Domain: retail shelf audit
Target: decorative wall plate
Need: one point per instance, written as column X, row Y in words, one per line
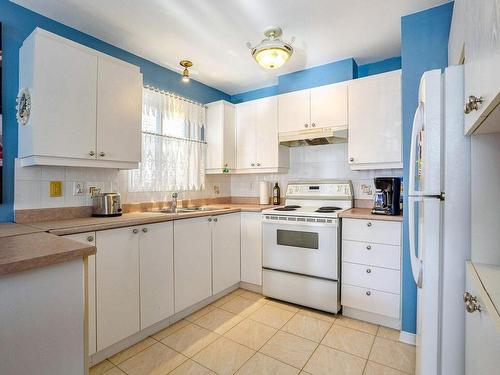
column 23, row 106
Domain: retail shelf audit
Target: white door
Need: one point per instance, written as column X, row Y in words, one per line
column 246, row 119
column 375, row 122
column 225, row 251
column 294, row 111
column 192, row 261
column 251, row 247
column 266, row 133
column 89, row 238
column 119, row 111
column 117, row 278
column 156, row 272
column 63, row 120
column 329, row 106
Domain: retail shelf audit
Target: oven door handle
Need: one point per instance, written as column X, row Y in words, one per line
column 334, row 223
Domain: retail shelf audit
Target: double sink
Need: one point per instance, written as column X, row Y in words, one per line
column 189, row 209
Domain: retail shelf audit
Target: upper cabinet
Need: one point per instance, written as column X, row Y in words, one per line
column 319, row 107
column 85, row 106
column 481, row 67
column 375, row 122
column 220, row 135
column 257, row 147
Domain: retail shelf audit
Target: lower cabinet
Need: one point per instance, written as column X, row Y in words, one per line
column 251, row 247
column 192, row 261
column 225, row 251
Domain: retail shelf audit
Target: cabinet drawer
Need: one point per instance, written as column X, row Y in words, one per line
column 371, row 300
column 388, row 256
column 377, row 231
column 371, row 277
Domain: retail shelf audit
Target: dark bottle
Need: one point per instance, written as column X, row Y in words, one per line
column 276, row 194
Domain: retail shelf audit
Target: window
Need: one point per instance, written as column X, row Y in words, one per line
column 173, row 148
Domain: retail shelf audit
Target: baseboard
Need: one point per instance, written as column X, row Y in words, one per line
column 251, row 287
column 408, row 338
column 369, row 317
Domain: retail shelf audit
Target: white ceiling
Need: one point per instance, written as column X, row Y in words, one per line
column 213, row 33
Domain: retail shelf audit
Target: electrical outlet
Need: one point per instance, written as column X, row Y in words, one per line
column 55, row 189
column 366, row 190
column 216, row 189
column 78, row 189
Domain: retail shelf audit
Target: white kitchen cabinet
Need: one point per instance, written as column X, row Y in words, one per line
column 192, row 261
column 117, row 280
column 482, row 59
column 375, row 122
column 225, row 251
column 251, row 247
column 371, row 276
column 119, row 111
column 89, row 238
column 156, row 256
column 85, row 106
column 257, row 147
column 220, row 134
column 319, row 107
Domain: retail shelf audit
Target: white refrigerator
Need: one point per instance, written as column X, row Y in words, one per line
column 439, row 221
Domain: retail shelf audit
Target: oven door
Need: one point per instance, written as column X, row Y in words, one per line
column 306, row 246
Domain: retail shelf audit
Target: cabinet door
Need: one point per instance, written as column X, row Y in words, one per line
column 192, row 261
column 89, row 238
column 251, row 248
column 156, row 272
column 482, row 59
column 62, row 80
column 225, row 251
column 375, row 121
column 214, row 135
column 294, row 111
column 246, row 118
column 266, row 133
column 329, row 106
column 229, row 139
column 117, row 280
column 119, row 111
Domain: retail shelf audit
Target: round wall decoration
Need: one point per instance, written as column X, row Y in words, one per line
column 23, row 106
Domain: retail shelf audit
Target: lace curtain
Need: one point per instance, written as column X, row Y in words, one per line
column 173, row 149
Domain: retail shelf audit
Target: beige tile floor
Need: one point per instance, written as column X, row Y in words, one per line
column 245, row 333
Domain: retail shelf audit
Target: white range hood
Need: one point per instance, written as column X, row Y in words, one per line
column 312, row 137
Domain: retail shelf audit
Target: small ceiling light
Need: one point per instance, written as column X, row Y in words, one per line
column 272, row 52
column 185, row 73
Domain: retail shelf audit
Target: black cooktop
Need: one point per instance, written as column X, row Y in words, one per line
column 328, row 209
column 287, row 208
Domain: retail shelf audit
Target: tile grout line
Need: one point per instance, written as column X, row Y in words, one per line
column 370, row 352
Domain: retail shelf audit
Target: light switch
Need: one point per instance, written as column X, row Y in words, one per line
column 55, row 189
column 78, row 189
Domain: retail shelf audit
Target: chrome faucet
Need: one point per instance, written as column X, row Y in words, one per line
column 173, row 206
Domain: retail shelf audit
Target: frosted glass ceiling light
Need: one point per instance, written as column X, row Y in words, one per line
column 185, row 73
column 272, row 52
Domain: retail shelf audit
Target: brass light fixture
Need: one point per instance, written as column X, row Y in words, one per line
column 272, row 52
column 185, row 73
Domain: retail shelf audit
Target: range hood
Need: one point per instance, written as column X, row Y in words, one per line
column 313, row 137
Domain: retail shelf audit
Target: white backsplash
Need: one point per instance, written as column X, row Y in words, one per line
column 306, row 163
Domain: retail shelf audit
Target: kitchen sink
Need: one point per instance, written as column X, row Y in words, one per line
column 189, row 209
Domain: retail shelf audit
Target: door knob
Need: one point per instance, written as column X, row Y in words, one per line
column 215, row 219
column 368, row 270
column 351, row 159
column 145, row 230
column 313, row 125
column 209, row 219
column 368, row 293
column 472, row 104
column 135, row 231
column 91, row 153
column 253, row 164
column 258, row 164
column 471, row 303
column 306, row 125
column 369, row 224
column 368, row 247
column 102, row 154
column 90, row 238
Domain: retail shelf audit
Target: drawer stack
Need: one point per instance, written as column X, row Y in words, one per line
column 371, row 270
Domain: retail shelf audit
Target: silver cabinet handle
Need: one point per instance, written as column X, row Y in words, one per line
column 368, row 247
column 215, row 219
column 209, row 219
column 253, row 164
column 91, row 153
column 368, row 270
column 145, row 230
column 90, row 238
column 369, row 224
column 313, row 125
column 472, row 104
column 306, row 125
column 135, row 231
column 351, row 159
column 471, row 303
column 368, row 293
column 258, row 164
column 102, row 154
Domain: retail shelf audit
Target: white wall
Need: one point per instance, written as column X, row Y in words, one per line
column 313, row 163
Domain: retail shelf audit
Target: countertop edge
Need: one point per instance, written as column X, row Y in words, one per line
column 365, row 213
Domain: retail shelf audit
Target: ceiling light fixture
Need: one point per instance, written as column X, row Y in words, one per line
column 185, row 73
column 272, row 52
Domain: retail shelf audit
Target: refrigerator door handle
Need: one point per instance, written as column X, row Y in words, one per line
column 418, row 125
column 416, row 263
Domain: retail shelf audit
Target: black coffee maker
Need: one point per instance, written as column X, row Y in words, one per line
column 387, row 195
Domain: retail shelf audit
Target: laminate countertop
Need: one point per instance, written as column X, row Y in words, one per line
column 90, row 224
column 365, row 213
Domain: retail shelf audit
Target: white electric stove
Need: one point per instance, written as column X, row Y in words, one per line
column 301, row 243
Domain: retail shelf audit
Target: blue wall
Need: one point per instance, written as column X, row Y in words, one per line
column 337, row 71
column 17, row 24
column 424, row 46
